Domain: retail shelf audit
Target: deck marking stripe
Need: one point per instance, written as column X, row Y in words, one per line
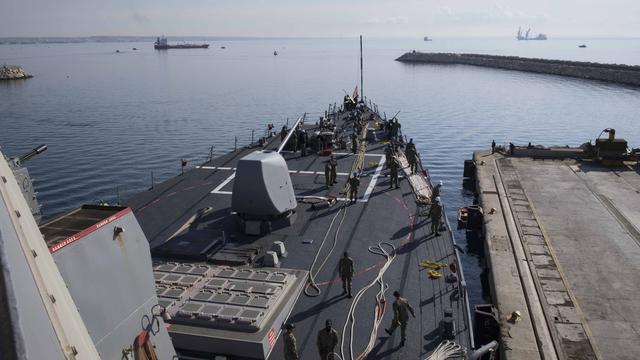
column 347, row 154
column 206, row 167
column 374, row 179
column 223, row 184
column 224, row 168
column 306, row 172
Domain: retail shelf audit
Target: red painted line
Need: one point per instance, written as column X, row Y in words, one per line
column 73, row 238
column 380, row 263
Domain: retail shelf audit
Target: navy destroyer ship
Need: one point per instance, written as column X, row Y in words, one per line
column 217, row 261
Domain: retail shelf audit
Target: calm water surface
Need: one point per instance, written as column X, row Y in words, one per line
column 110, row 119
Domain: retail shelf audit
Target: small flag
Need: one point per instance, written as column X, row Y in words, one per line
column 355, row 93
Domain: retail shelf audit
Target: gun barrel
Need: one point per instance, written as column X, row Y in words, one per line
column 32, row 153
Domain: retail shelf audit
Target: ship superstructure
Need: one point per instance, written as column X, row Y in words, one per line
column 519, row 36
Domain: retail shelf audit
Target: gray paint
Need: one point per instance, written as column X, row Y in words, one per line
column 262, row 186
column 111, row 281
column 33, row 333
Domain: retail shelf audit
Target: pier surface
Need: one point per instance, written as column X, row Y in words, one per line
column 563, row 248
column 621, row 74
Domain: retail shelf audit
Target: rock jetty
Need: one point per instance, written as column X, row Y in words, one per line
column 12, row 73
column 621, row 74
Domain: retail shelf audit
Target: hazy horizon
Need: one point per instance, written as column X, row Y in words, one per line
column 329, row 19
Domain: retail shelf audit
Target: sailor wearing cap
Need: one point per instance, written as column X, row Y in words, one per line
column 354, row 182
column 327, row 341
column 290, row 347
column 435, row 213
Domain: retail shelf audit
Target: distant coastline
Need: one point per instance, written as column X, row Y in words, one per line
column 621, row 74
column 123, row 39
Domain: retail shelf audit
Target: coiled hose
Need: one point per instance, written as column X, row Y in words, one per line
column 388, row 251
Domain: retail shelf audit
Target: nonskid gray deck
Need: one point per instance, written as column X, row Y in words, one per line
column 379, row 215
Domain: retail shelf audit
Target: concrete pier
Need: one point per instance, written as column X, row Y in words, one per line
column 621, row 74
column 563, row 248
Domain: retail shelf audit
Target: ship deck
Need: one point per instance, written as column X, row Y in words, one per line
column 380, row 214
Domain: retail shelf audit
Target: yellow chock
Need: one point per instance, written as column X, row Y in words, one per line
column 432, row 264
column 372, row 164
column 435, row 274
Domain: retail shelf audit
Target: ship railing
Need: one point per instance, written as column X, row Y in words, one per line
column 462, row 283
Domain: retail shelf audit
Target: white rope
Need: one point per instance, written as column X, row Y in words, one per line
column 356, row 167
column 311, row 284
column 389, row 255
column 446, row 350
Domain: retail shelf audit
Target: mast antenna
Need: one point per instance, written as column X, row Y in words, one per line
column 361, row 78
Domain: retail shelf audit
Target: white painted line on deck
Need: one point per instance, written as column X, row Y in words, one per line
column 304, row 172
column 215, row 168
column 223, row 184
column 374, row 179
column 347, row 154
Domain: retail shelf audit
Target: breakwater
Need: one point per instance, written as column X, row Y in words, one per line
column 621, row 74
column 13, row 72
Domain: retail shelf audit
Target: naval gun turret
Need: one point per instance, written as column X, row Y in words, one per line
column 263, row 196
column 24, row 179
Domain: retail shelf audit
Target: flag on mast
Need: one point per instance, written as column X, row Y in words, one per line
column 355, row 94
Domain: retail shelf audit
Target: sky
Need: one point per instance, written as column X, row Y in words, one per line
column 319, row 18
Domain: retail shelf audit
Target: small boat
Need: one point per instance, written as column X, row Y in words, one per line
column 275, row 53
column 134, row 49
column 463, row 217
column 426, row 38
column 223, row 47
column 582, row 46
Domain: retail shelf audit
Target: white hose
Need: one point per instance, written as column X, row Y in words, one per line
column 311, row 284
column 446, row 350
column 380, row 306
column 356, row 167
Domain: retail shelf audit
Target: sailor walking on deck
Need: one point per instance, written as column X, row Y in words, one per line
column 354, row 143
column 412, row 156
column 333, row 163
column 436, row 192
column 345, row 267
column 388, row 154
column 401, row 311
column 290, row 347
column 303, row 137
column 435, row 213
column 394, row 165
column 283, row 133
column 330, row 171
column 354, row 182
column 327, row 341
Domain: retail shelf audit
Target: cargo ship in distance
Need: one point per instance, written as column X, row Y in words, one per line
column 162, row 44
column 526, row 35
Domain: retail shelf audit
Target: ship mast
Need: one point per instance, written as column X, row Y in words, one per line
column 361, row 76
